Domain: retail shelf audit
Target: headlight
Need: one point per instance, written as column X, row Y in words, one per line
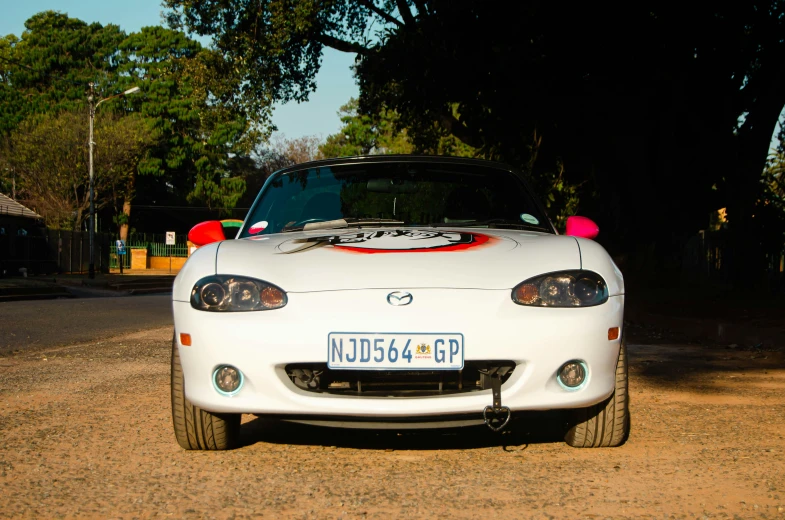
column 562, row 289
column 236, row 294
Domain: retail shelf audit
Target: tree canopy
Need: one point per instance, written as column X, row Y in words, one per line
column 664, row 111
column 197, row 134
column 51, row 159
column 197, row 129
column 49, row 68
column 652, row 115
column 381, row 133
column 363, row 134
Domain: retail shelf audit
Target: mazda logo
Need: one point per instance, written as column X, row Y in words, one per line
column 399, row 298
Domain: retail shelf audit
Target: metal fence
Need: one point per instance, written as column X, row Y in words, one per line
column 709, row 256
column 155, row 243
column 50, row 251
column 53, row 251
column 145, row 239
column 164, row 250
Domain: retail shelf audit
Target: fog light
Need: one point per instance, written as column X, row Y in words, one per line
column 227, row 379
column 572, row 375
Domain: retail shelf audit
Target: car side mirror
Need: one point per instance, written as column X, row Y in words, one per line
column 581, row 227
column 206, row 233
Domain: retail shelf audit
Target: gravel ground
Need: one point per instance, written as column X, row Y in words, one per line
column 86, row 432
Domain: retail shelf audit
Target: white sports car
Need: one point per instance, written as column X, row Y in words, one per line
column 398, row 292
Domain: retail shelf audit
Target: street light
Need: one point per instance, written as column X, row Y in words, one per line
column 91, row 100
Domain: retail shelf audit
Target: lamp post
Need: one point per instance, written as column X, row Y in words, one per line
column 93, row 106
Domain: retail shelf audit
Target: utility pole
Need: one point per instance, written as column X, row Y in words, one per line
column 93, row 106
column 91, row 101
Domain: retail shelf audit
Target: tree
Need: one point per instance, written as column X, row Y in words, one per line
column 198, row 128
column 774, row 177
column 49, row 68
column 121, row 145
column 271, row 156
column 381, row 133
column 770, row 207
column 297, row 150
column 643, row 112
column 190, row 110
column 363, row 134
column 50, row 158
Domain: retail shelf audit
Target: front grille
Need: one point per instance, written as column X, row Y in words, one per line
column 475, row 376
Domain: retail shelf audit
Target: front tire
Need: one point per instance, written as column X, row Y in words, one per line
column 607, row 424
column 194, row 428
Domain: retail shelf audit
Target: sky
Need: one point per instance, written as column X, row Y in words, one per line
column 319, row 116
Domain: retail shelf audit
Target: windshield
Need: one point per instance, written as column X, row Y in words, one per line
column 403, row 193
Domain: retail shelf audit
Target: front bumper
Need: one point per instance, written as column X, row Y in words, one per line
column 261, row 344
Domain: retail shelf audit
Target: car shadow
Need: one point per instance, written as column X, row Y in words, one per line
column 525, row 429
column 696, row 368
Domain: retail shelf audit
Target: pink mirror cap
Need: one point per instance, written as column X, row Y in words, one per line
column 206, row 233
column 582, row 227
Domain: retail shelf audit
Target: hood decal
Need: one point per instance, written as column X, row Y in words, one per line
column 390, row 241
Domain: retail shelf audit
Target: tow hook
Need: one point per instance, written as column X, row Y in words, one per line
column 497, row 416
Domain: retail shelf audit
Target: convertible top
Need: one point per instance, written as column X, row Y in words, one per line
column 396, row 158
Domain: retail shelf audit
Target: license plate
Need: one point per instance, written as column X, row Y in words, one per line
column 394, row 351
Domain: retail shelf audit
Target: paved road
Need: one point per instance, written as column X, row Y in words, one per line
column 30, row 324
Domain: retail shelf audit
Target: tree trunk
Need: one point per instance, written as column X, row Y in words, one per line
column 77, row 225
column 127, row 219
column 747, row 268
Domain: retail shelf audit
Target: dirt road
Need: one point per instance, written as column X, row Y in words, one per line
column 86, row 432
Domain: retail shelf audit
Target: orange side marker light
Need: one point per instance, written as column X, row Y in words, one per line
column 613, row 333
column 185, row 339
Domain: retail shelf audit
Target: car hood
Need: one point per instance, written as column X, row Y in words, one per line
column 397, row 258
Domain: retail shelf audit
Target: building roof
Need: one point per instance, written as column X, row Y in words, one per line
column 10, row 207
